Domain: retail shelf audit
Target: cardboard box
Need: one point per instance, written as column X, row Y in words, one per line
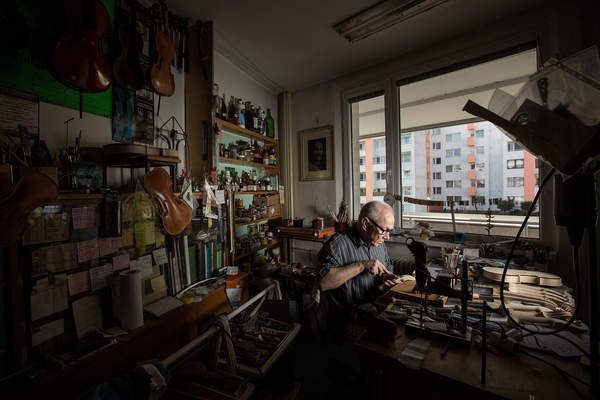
column 266, row 200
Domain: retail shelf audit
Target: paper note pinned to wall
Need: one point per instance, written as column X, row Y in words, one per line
column 47, row 228
column 220, row 195
column 79, row 282
column 48, row 297
column 87, row 250
column 144, row 233
column 99, row 276
column 160, row 256
column 47, row 331
column 53, row 258
column 144, row 265
column 120, row 262
column 84, row 217
column 87, row 315
column 108, row 245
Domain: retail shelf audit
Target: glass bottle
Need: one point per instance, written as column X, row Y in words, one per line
column 248, row 115
column 269, row 124
column 223, row 108
column 241, row 114
column 231, row 109
column 260, row 119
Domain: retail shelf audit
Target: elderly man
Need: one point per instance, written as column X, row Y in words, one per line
column 354, row 262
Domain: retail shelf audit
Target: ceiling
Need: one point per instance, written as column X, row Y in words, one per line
column 292, row 42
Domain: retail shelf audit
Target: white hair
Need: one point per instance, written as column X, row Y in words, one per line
column 373, row 208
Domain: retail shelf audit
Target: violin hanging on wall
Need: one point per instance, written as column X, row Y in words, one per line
column 174, row 212
column 161, row 76
column 78, row 59
column 127, row 70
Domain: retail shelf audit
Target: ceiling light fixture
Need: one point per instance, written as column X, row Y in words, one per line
column 380, row 16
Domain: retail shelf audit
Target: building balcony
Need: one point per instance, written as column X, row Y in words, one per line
column 472, row 174
column 471, row 158
column 472, row 191
column 471, row 141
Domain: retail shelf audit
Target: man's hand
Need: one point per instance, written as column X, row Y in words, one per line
column 391, row 280
column 375, row 267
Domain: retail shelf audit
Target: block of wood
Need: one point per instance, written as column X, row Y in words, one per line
column 406, row 291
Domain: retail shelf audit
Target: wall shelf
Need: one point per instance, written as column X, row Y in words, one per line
column 257, row 192
column 257, row 221
column 238, row 130
column 249, row 253
column 248, row 163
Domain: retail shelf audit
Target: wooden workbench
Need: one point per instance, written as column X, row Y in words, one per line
column 515, row 376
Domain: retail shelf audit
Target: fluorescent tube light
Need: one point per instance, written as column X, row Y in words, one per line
column 380, row 16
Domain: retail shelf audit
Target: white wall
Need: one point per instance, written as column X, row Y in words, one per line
column 97, row 130
column 234, row 82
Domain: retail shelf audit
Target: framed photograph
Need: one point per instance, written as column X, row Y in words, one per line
column 316, row 154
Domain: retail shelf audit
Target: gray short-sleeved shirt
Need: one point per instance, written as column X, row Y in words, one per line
column 345, row 248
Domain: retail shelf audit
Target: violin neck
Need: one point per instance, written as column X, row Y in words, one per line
column 165, row 14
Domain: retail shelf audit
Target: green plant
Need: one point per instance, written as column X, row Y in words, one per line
column 489, row 217
column 506, row 205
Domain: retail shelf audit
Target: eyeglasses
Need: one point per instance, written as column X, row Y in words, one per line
column 381, row 231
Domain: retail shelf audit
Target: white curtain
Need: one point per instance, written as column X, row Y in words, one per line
column 286, row 156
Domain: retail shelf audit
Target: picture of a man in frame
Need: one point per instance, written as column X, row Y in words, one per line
column 317, row 154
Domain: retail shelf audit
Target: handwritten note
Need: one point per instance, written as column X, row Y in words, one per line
column 144, row 265
column 220, row 195
column 53, row 259
column 108, row 245
column 47, row 228
column 144, row 233
column 47, row 331
column 120, row 262
column 160, row 256
column 87, row 315
column 48, row 298
column 79, row 282
column 84, row 217
column 87, row 250
column 99, row 276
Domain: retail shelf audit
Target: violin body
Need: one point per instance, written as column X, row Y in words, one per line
column 32, row 191
column 127, row 69
column 175, row 214
column 160, row 75
column 78, row 59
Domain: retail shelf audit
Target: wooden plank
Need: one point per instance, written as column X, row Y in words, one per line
column 258, row 221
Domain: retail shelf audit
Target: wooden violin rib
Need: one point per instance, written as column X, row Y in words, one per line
column 522, row 276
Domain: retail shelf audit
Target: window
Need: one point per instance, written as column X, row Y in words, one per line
column 362, row 161
column 515, row 181
column 436, row 145
column 437, row 175
column 435, row 132
column 480, row 149
column 405, row 157
column 379, row 160
column 453, row 184
column 481, row 183
column 361, row 146
column 453, row 153
column 448, row 168
column 514, row 146
column 478, row 200
column 406, row 173
column 406, row 139
column 437, row 190
column 453, row 198
column 479, row 133
column 407, row 190
column 453, row 137
column 479, row 166
column 437, row 160
column 379, row 176
column 362, row 176
column 515, row 164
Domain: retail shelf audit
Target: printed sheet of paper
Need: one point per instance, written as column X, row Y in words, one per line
column 84, row 217
column 99, row 276
column 53, row 259
column 47, row 331
column 79, row 282
column 47, row 228
column 220, row 195
column 49, row 298
column 127, row 238
column 144, row 233
column 87, row 250
column 87, row 315
column 160, row 256
column 120, row 262
column 108, row 245
column 144, row 265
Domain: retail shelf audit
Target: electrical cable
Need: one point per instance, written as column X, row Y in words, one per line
column 510, row 254
column 556, row 367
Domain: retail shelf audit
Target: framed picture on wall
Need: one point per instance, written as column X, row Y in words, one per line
column 316, row 154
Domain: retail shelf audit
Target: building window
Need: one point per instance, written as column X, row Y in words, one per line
column 407, row 173
column 379, row 160
column 435, row 132
column 481, row 183
column 436, row 145
column 515, row 181
column 437, row 190
column 405, row 157
column 361, row 146
column 405, row 139
column 537, row 163
column 362, row 161
column 479, row 133
column 480, row 150
column 363, row 176
column 453, row 184
column 452, row 153
column 514, row 146
column 407, row 190
column 454, row 198
column 437, row 175
column 478, row 200
column 479, row 166
column 437, row 160
column 515, row 164
column 448, row 168
column 453, row 137
column 379, row 176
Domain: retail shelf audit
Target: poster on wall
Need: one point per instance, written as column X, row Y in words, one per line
column 133, row 115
